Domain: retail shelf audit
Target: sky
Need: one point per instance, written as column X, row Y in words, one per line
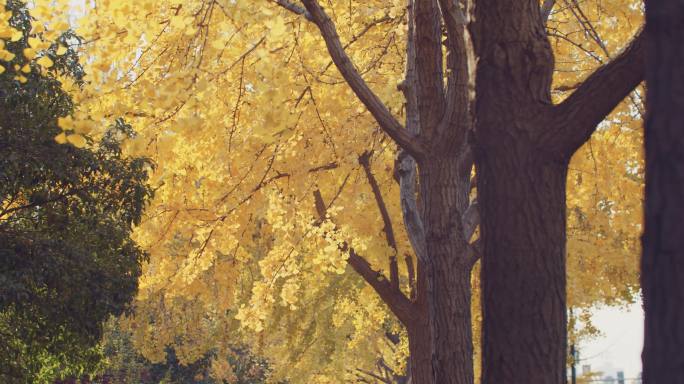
column 619, row 349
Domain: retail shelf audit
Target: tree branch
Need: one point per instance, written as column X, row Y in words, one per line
column 405, row 165
column 576, row 118
column 375, row 106
column 397, row 302
column 294, row 8
column 474, row 253
column 409, row 207
column 456, row 121
column 364, row 160
column 546, row 9
column 37, row 203
column 470, row 220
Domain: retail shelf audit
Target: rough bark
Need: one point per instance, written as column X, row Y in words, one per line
column 521, row 192
column 523, row 268
column 444, row 197
column 522, row 149
column 662, row 266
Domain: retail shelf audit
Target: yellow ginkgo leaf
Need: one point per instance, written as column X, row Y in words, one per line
column 29, row 53
column 16, row 35
column 65, row 122
column 21, row 79
column 61, row 50
column 26, row 68
column 180, row 22
column 2, row 69
column 218, row 44
column 83, row 126
column 33, row 42
column 76, row 140
column 61, row 138
column 6, row 55
column 60, row 26
column 45, row 62
column 38, row 28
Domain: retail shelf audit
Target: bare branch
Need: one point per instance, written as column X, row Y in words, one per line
column 373, row 375
column 578, row 116
column 375, row 106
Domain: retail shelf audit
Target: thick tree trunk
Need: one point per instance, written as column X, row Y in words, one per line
column 444, row 192
column 522, row 199
column 662, row 268
column 521, row 190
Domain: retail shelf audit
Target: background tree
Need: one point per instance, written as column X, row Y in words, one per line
column 663, row 248
column 68, row 261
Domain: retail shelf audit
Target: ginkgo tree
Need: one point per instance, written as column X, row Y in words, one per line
column 277, row 171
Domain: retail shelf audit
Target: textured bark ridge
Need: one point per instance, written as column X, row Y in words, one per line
column 663, row 240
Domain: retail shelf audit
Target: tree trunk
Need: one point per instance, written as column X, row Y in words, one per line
column 662, row 266
column 444, row 192
column 522, row 199
column 419, row 349
column 521, row 190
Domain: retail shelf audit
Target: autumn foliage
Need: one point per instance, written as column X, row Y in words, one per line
column 268, row 170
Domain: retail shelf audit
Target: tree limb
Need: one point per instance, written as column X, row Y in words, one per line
column 409, row 207
column 375, row 106
column 294, row 8
column 546, row 9
column 397, row 302
column 456, row 121
column 364, row 160
column 405, row 166
column 576, row 118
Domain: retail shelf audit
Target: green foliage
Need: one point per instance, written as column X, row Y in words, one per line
column 67, row 261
